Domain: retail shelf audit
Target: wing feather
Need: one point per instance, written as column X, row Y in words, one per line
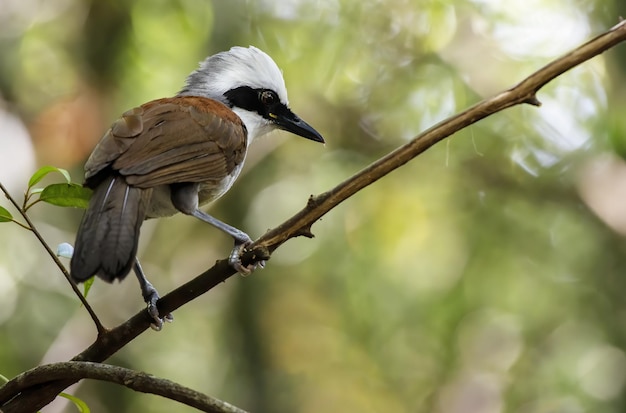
column 172, row 140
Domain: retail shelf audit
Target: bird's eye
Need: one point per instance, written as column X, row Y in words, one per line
column 268, row 97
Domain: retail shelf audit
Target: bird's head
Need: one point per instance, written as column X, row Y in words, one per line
column 251, row 84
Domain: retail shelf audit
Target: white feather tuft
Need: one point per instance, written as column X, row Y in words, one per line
column 239, row 66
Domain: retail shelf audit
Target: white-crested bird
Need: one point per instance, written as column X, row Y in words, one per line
column 175, row 154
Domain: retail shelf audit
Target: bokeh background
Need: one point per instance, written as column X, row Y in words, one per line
column 488, row 275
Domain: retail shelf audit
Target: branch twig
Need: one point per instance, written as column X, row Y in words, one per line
column 317, row 206
column 138, row 381
column 523, row 92
column 31, row 227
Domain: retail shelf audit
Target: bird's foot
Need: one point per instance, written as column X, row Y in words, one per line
column 151, row 296
column 234, row 259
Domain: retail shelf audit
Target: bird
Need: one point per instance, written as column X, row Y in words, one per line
column 174, row 155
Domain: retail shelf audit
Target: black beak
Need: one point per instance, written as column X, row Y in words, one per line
column 290, row 122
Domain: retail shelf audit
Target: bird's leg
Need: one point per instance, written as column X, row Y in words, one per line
column 185, row 199
column 150, row 296
column 242, row 240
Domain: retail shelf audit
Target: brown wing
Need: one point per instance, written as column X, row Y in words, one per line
column 180, row 139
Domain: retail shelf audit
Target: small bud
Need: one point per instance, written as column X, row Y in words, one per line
column 65, row 250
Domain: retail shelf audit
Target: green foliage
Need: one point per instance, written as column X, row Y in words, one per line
column 87, row 286
column 66, row 195
column 5, row 215
column 45, row 170
column 80, row 404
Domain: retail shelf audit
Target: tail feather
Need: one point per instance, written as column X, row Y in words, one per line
column 107, row 238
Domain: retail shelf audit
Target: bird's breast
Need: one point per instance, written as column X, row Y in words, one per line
column 209, row 192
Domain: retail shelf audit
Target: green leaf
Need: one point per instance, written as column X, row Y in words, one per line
column 5, row 216
column 80, row 405
column 87, row 286
column 3, row 379
column 66, row 195
column 45, row 170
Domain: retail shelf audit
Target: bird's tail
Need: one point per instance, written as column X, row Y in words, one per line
column 107, row 238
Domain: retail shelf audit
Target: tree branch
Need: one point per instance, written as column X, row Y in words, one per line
column 523, row 92
column 138, row 381
column 317, row 206
column 56, row 260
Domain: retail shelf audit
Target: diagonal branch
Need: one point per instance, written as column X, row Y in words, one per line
column 138, row 381
column 317, row 206
column 101, row 329
column 523, row 92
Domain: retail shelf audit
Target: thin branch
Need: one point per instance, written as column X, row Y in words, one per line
column 31, row 227
column 300, row 224
column 523, row 92
column 26, row 227
column 32, row 204
column 138, row 381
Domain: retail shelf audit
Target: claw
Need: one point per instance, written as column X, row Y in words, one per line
column 151, row 296
column 153, row 311
column 157, row 325
column 234, row 259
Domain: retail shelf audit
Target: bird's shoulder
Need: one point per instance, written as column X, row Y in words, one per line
column 196, row 105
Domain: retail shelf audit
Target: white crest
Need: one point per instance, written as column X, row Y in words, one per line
column 239, row 66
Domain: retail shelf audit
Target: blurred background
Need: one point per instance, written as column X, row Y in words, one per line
column 487, row 275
